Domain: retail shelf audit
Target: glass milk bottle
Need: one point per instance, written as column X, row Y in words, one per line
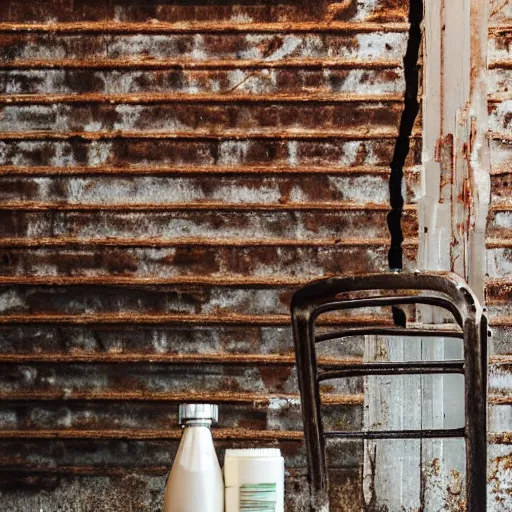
column 195, row 482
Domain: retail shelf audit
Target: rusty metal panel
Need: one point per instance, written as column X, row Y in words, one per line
column 499, row 283
column 170, row 171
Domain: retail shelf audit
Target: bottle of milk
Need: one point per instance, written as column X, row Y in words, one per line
column 195, row 482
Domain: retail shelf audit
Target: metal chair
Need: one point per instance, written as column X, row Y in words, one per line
column 442, row 289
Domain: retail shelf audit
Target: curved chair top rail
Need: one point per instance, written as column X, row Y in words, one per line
column 450, row 292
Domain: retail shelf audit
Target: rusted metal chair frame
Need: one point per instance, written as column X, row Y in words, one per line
column 442, row 289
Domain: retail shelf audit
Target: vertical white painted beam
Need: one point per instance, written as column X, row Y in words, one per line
column 455, row 48
column 479, row 152
column 392, row 468
column 452, row 220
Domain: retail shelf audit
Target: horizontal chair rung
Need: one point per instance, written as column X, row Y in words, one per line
column 384, row 301
column 392, row 368
column 399, row 434
column 389, row 331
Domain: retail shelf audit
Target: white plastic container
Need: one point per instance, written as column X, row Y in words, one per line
column 254, row 480
column 195, row 482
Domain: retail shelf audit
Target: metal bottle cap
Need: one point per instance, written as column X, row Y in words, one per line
column 198, row 412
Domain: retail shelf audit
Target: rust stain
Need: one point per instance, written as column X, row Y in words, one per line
column 8, row 170
column 334, row 9
column 496, row 243
column 500, row 207
column 361, row 134
column 500, row 468
column 210, row 242
column 148, row 98
column 501, row 321
column 31, row 471
column 500, row 438
column 218, row 433
column 210, row 205
column 499, row 28
column 195, row 359
column 165, row 319
column 498, row 291
column 208, row 27
column 152, row 396
column 152, row 63
column 500, row 360
column 154, row 281
column 500, row 400
column 445, row 151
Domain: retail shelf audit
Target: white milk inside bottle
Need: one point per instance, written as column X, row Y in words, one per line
column 195, row 482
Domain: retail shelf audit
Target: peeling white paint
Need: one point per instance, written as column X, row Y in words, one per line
column 11, row 301
column 292, row 153
column 233, row 152
column 239, row 16
column 98, row 153
column 129, row 117
column 199, row 52
column 379, row 46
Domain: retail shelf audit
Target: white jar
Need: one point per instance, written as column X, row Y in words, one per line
column 254, row 480
column 195, row 482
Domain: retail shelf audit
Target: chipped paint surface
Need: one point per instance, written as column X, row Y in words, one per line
column 170, row 171
column 499, row 227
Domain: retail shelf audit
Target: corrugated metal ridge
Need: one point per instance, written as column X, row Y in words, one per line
column 500, row 172
column 496, row 243
column 35, row 471
column 218, row 433
column 206, row 205
column 209, row 242
column 498, row 291
column 501, row 360
column 500, row 63
column 498, row 97
column 499, row 400
column 501, row 321
column 32, row 470
column 500, row 437
column 495, row 135
column 157, row 97
column 216, row 397
column 303, row 134
column 497, row 28
column 152, row 63
column 167, row 358
column 160, row 27
column 200, row 359
column 108, row 280
column 499, row 281
column 180, row 318
column 156, row 170
column 158, row 396
column 501, row 206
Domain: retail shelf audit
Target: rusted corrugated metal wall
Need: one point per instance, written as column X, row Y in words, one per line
column 499, row 284
column 170, row 172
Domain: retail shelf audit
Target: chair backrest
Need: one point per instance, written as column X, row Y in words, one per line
column 442, row 289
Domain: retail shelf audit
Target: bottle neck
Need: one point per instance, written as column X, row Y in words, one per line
column 197, row 423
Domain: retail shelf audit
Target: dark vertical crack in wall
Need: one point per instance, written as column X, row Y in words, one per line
column 409, row 114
